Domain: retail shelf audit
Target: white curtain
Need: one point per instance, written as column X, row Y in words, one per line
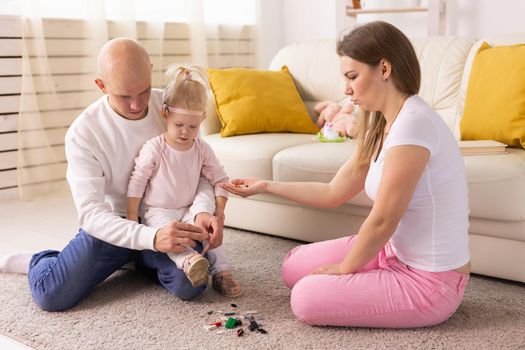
column 59, row 62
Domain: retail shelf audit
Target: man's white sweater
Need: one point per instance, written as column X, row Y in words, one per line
column 100, row 148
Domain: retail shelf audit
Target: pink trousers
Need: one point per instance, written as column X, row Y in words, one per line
column 385, row 293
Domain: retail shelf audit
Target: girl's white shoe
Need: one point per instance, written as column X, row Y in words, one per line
column 196, row 269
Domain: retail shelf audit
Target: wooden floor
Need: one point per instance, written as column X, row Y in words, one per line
column 34, row 226
column 10, row 344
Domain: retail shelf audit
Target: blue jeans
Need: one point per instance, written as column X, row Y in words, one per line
column 60, row 280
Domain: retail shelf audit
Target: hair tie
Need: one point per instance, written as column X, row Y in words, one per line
column 167, row 109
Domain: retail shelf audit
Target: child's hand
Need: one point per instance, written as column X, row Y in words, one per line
column 220, row 218
column 133, row 218
column 220, row 215
column 213, row 226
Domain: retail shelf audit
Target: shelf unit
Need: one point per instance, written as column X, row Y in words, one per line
column 436, row 9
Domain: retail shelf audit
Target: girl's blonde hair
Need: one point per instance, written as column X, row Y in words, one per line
column 187, row 87
column 370, row 43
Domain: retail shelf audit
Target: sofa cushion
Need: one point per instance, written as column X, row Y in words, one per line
column 253, row 101
column 315, row 162
column 497, row 177
column 495, row 101
column 251, row 155
column 497, row 185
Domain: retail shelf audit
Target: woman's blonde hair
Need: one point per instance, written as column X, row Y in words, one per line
column 370, row 43
column 187, row 87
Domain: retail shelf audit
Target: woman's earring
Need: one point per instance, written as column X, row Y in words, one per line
column 385, row 78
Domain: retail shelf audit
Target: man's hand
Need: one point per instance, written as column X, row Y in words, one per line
column 176, row 236
column 212, row 225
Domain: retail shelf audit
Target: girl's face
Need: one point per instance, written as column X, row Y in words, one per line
column 182, row 129
column 363, row 83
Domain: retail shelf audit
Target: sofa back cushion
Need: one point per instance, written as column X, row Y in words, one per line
column 315, row 68
column 442, row 60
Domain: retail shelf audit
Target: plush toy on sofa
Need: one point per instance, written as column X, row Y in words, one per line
column 336, row 117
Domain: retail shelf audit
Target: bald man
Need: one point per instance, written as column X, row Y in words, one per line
column 101, row 145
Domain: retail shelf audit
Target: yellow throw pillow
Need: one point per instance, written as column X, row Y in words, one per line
column 495, row 101
column 253, row 101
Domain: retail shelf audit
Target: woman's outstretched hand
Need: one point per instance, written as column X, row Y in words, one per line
column 245, row 187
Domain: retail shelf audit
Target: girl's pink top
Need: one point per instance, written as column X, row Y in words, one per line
column 168, row 178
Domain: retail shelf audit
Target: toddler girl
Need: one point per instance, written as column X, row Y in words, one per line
column 167, row 173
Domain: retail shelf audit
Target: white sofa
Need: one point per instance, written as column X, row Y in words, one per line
column 496, row 182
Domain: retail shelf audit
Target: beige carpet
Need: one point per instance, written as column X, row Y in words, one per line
column 130, row 312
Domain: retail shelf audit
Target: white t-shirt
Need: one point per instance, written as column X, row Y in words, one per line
column 433, row 232
column 100, row 148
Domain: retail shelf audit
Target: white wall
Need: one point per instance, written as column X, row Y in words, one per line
column 312, row 19
column 281, row 22
column 484, row 18
column 412, row 24
column 270, row 35
column 319, row 19
column 287, row 21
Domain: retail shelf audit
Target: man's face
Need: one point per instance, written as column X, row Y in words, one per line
column 128, row 94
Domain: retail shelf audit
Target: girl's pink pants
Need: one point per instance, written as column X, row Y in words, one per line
column 385, row 293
